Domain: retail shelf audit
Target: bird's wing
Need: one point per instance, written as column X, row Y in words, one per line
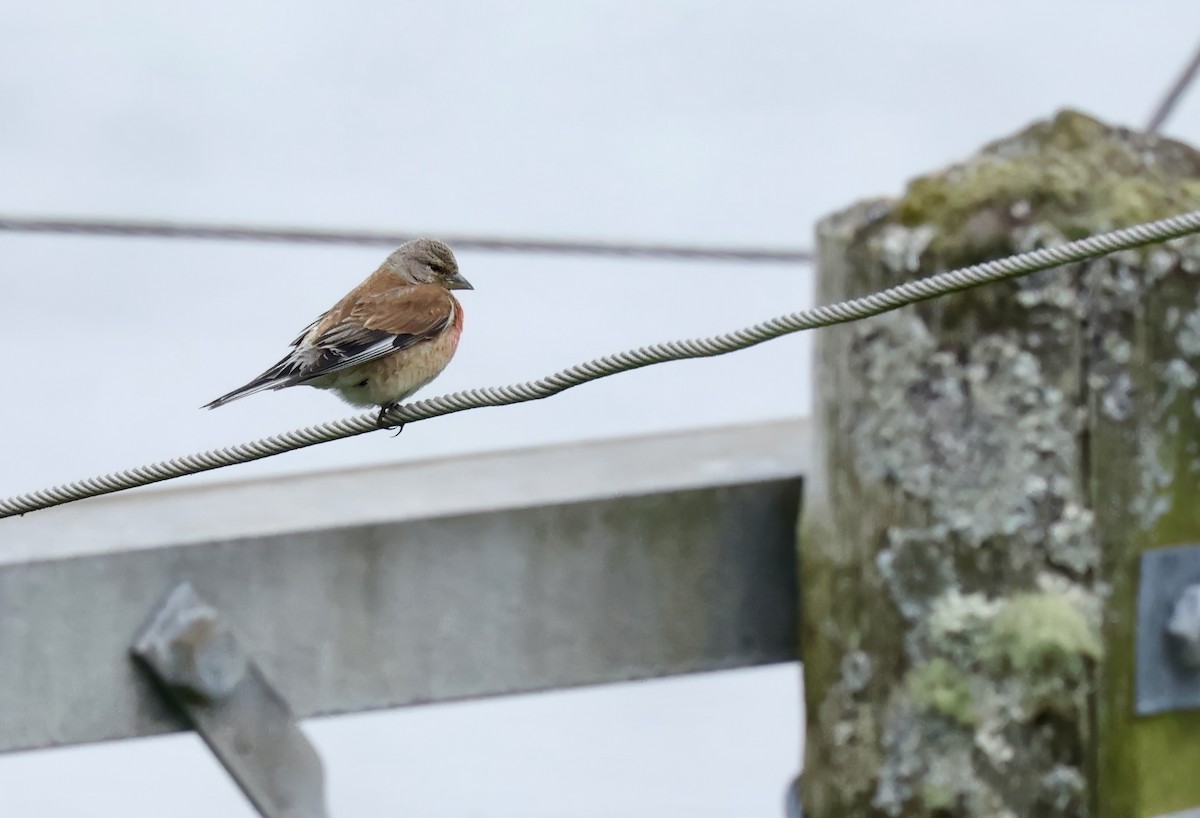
column 370, row 326
column 304, row 332
column 362, row 327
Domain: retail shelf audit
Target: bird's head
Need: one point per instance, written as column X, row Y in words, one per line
column 427, row 261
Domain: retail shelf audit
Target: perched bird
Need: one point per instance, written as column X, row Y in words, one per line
column 391, row 335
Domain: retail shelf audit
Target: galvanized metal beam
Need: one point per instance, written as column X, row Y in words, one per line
column 424, row 582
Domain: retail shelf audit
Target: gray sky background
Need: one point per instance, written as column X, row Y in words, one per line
column 654, row 120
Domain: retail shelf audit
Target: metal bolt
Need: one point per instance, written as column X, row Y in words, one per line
column 1183, row 629
column 191, row 648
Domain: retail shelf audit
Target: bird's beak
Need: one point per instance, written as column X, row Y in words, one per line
column 459, row 283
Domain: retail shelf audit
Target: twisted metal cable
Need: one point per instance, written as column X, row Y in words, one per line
column 219, row 232
column 843, row 312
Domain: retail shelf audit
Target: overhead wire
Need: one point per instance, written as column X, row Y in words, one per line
column 492, row 244
column 1167, row 105
column 814, row 318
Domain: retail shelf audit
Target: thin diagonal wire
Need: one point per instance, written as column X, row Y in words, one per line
column 843, row 312
column 1177, row 89
column 220, row 232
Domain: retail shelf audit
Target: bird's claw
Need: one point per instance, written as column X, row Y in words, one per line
column 383, row 412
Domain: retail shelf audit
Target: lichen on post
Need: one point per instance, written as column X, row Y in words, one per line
column 992, row 464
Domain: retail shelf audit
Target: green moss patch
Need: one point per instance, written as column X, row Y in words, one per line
column 1071, row 171
column 940, row 686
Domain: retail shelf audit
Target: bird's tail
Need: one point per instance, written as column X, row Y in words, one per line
column 277, row 377
column 256, row 385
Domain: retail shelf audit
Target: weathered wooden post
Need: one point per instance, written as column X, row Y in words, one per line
column 993, row 464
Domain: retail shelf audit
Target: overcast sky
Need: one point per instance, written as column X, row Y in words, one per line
column 654, row 120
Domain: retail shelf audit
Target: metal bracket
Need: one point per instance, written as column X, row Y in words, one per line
column 193, row 653
column 1168, row 631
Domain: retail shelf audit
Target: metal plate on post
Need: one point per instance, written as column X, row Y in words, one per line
column 1168, row 631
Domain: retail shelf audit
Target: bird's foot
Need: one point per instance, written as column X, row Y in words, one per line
column 383, row 411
